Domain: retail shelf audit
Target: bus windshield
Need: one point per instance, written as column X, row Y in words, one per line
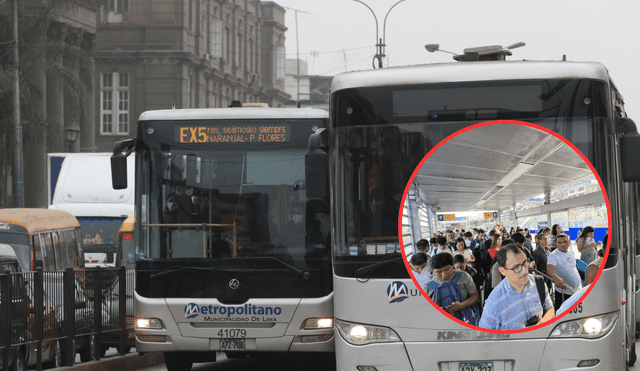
column 248, row 191
column 20, row 244
column 382, row 134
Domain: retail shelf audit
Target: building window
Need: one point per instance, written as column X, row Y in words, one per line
column 118, row 9
column 114, row 85
column 280, row 63
column 238, row 60
column 216, row 38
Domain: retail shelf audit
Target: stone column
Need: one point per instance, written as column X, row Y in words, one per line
column 72, row 99
column 55, row 101
column 87, row 124
column 34, row 126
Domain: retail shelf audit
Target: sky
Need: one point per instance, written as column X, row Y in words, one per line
column 340, row 35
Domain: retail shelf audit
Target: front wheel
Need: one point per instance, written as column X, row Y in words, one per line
column 56, row 360
column 19, row 363
column 86, row 352
column 177, row 361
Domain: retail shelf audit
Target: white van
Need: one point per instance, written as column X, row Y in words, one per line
column 83, row 188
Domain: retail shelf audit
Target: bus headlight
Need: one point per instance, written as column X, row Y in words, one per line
column 148, row 323
column 318, row 323
column 358, row 334
column 592, row 327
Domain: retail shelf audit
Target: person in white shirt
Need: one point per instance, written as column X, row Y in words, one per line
column 561, row 267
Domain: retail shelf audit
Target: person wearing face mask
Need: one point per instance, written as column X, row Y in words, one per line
column 295, row 225
column 170, row 212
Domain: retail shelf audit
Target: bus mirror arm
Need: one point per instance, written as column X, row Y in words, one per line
column 121, row 150
column 629, row 149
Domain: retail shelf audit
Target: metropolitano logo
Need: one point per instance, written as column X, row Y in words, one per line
column 397, row 292
column 191, row 310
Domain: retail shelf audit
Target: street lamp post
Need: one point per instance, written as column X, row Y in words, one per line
column 72, row 134
column 380, row 42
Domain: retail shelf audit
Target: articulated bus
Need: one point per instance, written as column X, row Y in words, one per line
column 382, row 123
column 230, row 255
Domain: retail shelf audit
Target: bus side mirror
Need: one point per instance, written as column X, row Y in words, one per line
column 119, row 163
column 119, row 171
column 629, row 150
column 316, row 167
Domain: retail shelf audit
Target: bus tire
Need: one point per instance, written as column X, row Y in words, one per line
column 177, row 361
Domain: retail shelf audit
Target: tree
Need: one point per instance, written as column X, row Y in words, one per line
column 51, row 51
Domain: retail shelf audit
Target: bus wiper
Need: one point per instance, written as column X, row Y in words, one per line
column 305, row 275
column 375, row 266
column 181, row 269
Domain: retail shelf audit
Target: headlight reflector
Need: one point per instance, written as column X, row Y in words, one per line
column 358, row 334
column 591, row 327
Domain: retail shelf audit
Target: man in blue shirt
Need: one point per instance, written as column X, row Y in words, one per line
column 515, row 300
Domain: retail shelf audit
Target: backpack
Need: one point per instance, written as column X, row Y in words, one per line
column 447, row 293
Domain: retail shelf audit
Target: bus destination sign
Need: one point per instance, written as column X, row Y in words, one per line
column 233, row 133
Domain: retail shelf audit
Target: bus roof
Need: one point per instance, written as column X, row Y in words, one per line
column 37, row 220
column 470, row 71
column 233, row 114
column 127, row 225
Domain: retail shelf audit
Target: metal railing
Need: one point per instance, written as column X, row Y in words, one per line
column 35, row 306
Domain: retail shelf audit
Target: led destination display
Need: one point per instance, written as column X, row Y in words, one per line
column 233, row 133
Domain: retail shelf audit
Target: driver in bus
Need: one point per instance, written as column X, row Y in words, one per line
column 295, row 225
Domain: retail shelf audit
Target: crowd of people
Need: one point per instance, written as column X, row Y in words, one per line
column 504, row 279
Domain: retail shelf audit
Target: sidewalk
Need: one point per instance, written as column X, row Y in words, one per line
column 131, row 361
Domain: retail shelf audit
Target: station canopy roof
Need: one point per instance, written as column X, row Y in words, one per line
column 496, row 166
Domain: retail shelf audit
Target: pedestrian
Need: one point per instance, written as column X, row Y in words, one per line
column 520, row 300
column 587, row 246
column 454, row 291
column 419, row 266
column 561, row 267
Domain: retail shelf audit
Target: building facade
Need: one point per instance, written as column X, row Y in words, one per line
column 162, row 54
column 137, row 55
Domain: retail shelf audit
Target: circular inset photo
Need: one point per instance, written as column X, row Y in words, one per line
column 505, row 227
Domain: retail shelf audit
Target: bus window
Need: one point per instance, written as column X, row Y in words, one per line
column 58, row 249
column 48, row 256
column 71, row 250
column 76, row 237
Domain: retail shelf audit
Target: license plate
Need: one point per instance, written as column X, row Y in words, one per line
column 476, row 366
column 231, row 344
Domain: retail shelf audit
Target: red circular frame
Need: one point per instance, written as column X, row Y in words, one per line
column 503, row 122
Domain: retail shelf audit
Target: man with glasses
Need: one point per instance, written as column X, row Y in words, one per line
column 516, row 302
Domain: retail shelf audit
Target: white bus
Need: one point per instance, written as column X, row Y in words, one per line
column 83, row 189
column 382, row 123
column 230, row 255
